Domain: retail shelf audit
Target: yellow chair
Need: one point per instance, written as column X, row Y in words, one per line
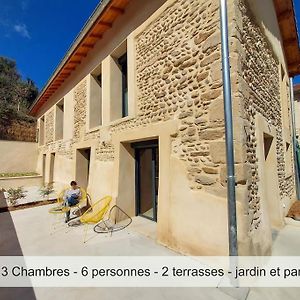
column 61, row 210
column 60, row 197
column 83, row 201
column 95, row 214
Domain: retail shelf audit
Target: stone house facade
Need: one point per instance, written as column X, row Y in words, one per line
column 150, row 131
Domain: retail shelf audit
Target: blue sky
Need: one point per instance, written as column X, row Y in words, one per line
column 37, row 33
column 297, row 8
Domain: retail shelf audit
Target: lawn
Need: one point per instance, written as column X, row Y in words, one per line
column 23, row 174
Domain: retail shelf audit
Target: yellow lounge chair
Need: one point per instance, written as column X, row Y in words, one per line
column 95, row 214
column 61, row 210
column 83, row 201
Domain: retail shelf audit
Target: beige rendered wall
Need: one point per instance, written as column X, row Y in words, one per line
column 25, row 181
column 18, row 157
column 112, row 89
column 94, row 106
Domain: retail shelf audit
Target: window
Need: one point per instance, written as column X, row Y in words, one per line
column 288, row 159
column 44, row 168
column 286, row 125
column 42, row 131
column 83, row 159
column 95, row 98
column 123, row 66
column 285, row 101
column 51, row 168
column 118, row 82
column 59, row 120
column 268, row 140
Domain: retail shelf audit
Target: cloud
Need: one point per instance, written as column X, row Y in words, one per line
column 22, row 30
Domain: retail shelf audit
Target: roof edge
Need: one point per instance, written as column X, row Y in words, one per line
column 82, row 33
column 290, row 44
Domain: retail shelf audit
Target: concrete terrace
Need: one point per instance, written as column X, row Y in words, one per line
column 27, row 233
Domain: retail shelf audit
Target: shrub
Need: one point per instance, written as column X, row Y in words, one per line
column 18, row 174
column 47, row 190
column 14, row 194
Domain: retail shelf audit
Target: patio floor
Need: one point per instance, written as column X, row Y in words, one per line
column 27, row 233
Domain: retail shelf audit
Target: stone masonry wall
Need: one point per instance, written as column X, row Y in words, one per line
column 80, row 107
column 19, row 131
column 49, row 127
column 178, row 74
column 259, row 93
column 178, row 68
column 288, row 183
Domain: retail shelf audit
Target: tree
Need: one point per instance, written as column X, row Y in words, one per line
column 16, row 94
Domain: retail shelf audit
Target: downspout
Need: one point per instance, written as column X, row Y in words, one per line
column 231, row 199
column 296, row 167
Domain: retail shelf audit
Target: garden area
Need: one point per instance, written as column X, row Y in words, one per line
column 15, row 198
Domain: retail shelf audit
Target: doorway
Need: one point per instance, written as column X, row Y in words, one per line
column 146, row 174
column 83, row 158
column 44, row 168
column 269, row 179
column 51, row 169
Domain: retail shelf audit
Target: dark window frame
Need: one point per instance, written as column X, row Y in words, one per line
column 138, row 146
column 122, row 61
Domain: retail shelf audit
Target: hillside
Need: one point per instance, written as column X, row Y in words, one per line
column 16, row 96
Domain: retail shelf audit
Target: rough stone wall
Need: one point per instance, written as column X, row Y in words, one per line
column 178, row 69
column 288, row 183
column 178, row 75
column 105, row 151
column 80, row 107
column 19, row 131
column 259, row 93
column 49, row 127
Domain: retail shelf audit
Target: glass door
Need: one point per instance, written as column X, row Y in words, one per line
column 146, row 155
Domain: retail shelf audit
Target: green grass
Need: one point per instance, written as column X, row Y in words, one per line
column 5, row 175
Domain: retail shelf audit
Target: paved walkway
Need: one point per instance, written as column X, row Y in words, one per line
column 27, row 233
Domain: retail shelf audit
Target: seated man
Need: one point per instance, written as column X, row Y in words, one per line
column 71, row 197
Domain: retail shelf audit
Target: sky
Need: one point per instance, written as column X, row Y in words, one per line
column 37, row 33
column 297, row 9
